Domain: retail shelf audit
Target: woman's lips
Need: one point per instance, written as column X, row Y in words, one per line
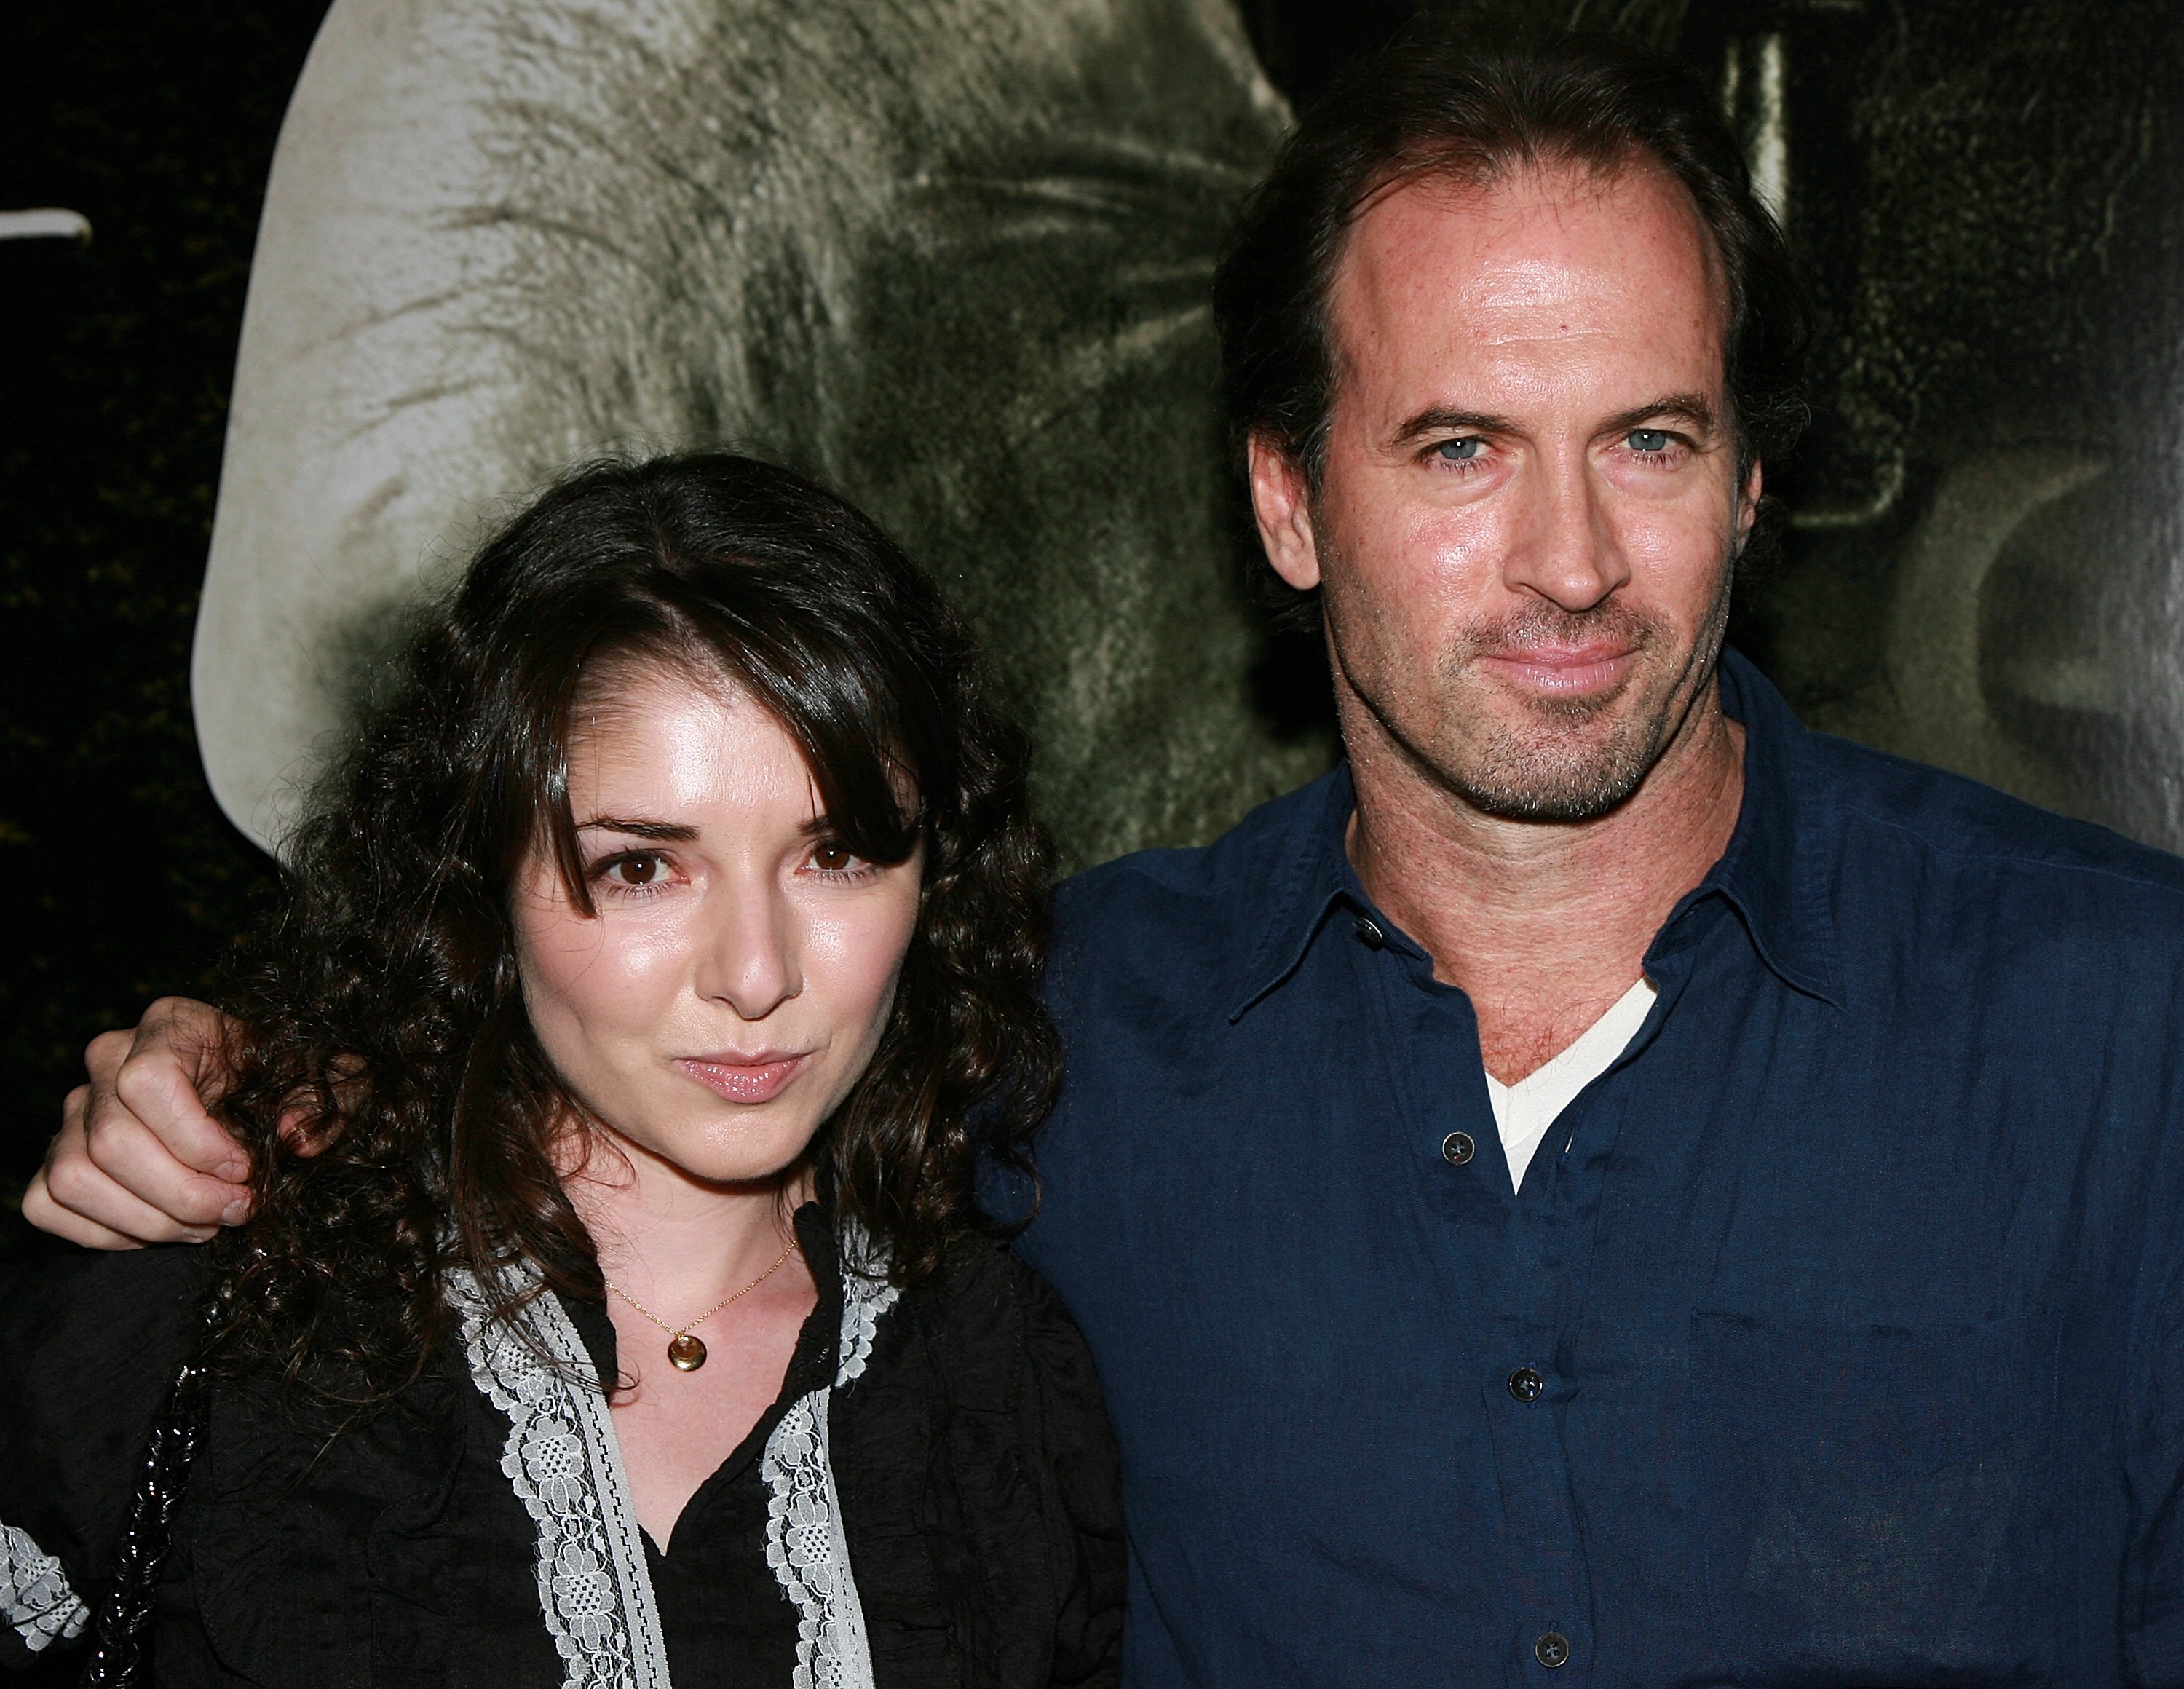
column 741, row 1078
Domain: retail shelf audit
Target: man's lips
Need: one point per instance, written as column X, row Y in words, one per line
column 743, row 1079
column 1562, row 671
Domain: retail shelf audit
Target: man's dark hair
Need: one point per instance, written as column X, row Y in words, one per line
column 1458, row 97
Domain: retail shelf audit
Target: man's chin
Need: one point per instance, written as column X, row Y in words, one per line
column 1540, row 775
column 1566, row 804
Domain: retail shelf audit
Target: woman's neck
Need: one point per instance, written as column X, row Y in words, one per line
column 675, row 1244
column 699, row 1258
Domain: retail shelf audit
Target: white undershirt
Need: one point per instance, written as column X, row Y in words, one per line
column 1523, row 1111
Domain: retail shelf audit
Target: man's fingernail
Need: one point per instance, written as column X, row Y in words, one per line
column 234, row 1172
column 236, row 1211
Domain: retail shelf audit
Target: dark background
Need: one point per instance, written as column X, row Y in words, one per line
column 1978, row 194
column 157, row 123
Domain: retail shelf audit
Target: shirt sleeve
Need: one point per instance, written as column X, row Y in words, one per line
column 2153, row 1619
column 89, row 1347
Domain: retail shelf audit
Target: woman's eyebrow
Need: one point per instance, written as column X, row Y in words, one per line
column 668, row 833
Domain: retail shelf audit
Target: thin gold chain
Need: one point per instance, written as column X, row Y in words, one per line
column 678, row 1331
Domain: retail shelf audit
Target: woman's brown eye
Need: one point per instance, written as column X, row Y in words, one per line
column 831, row 858
column 636, row 870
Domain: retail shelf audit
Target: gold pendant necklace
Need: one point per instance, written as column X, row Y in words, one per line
column 688, row 1353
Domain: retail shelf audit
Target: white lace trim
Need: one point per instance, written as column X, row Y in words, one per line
column 805, row 1543
column 565, row 1466
column 34, row 1594
column 863, row 1301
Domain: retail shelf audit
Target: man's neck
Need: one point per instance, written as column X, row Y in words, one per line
column 1542, row 924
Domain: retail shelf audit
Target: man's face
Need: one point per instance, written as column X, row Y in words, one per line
column 1529, row 502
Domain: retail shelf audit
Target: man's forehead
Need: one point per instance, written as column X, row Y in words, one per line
column 1505, row 257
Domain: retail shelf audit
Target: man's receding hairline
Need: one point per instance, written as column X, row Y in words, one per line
column 1494, row 175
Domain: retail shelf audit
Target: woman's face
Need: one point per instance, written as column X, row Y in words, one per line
column 738, row 973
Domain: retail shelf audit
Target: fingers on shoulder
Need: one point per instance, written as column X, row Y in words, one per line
column 180, row 1023
column 103, row 1056
column 164, row 1089
column 126, row 1176
column 42, row 1211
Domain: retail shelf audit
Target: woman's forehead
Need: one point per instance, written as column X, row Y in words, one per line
column 671, row 737
column 615, row 683
column 684, row 726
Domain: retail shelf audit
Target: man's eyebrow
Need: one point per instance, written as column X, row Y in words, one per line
column 666, row 832
column 1444, row 420
column 1689, row 408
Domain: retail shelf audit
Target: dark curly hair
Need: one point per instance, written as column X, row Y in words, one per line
column 1468, row 95
column 401, row 1114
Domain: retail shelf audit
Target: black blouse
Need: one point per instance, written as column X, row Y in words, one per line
column 973, row 1464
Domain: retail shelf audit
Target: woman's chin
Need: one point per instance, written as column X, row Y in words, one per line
column 747, row 1154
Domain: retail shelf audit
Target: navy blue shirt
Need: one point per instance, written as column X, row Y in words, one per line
column 1831, row 1339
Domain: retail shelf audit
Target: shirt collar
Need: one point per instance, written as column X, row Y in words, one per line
column 1774, row 873
column 1777, row 869
column 1311, row 874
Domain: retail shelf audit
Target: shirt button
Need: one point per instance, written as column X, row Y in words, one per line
column 1457, row 1148
column 1552, row 1650
column 1369, row 933
column 1526, row 1385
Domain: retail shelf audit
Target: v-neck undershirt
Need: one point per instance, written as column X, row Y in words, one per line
column 1523, row 1111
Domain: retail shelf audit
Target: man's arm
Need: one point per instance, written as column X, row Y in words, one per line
column 138, row 1159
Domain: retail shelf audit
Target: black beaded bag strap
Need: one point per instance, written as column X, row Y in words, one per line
column 120, row 1651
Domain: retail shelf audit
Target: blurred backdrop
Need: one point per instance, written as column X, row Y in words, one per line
column 1979, row 564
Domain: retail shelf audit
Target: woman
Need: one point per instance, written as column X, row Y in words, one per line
column 657, row 968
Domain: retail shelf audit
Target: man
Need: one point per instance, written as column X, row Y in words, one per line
column 1608, row 1186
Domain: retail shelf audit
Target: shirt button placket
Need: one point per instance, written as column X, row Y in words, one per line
column 1551, row 1649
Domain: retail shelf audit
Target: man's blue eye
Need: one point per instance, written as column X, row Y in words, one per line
column 1649, row 440
column 1459, row 451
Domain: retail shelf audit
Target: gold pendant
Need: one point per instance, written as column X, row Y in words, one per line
column 688, row 1353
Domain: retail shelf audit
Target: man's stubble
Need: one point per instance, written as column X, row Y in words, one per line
column 1528, row 760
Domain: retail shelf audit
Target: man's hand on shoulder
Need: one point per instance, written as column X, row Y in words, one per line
column 138, row 1159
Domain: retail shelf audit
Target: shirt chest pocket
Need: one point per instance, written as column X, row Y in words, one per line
column 1871, row 1497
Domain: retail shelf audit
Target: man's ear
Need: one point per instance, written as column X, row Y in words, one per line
column 1282, row 504
column 1748, row 506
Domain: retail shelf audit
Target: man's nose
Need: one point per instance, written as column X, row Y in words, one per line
column 1564, row 548
column 747, row 947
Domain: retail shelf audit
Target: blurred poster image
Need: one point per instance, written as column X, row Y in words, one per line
column 1983, row 568
column 953, row 256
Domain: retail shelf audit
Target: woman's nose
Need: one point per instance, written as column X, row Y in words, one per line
column 748, row 951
